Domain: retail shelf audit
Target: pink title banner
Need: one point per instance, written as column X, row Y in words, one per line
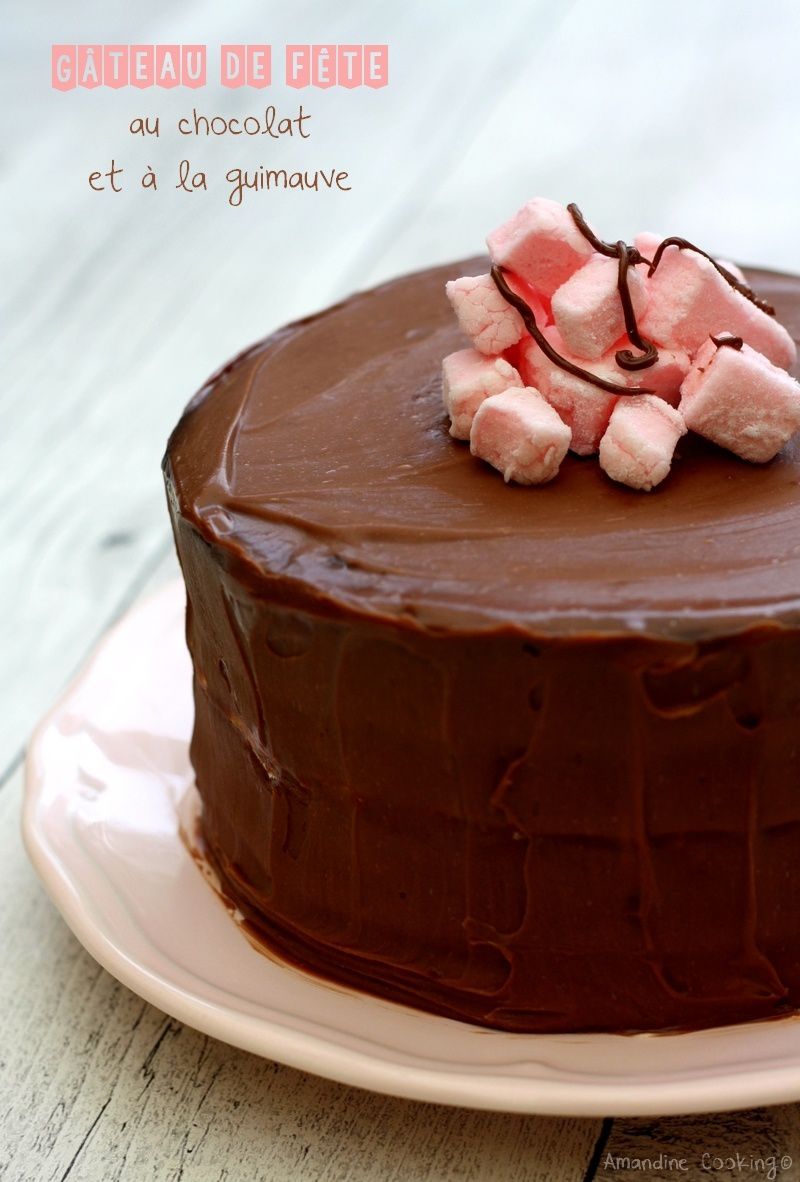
column 167, row 66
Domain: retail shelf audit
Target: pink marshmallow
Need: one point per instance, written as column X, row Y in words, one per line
column 541, row 244
column 539, row 306
column 639, row 443
column 534, row 366
column 587, row 308
column 483, row 315
column 518, row 433
column 584, row 407
column 739, row 400
column 468, row 378
column 690, row 301
column 648, row 243
column 664, row 377
column 737, row 272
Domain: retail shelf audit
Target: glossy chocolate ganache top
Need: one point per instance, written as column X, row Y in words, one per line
column 322, row 456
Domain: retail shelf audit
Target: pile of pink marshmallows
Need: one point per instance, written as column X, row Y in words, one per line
column 522, row 413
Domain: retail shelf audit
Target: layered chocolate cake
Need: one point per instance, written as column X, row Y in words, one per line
column 529, row 758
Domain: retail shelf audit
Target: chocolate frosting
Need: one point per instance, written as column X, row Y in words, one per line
column 525, row 757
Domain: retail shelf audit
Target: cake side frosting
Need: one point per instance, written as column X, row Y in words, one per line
column 532, row 764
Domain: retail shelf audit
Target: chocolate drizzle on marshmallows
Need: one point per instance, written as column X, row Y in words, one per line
column 626, row 359
column 736, row 284
column 582, row 300
column 529, row 320
column 628, row 257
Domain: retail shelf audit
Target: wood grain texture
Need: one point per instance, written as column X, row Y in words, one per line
column 117, row 310
column 759, row 1143
column 123, row 304
column 99, row 1085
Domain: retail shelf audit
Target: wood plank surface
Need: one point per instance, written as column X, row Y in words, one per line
column 99, row 1085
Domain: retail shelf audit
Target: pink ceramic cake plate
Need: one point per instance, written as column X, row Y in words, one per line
column 109, row 792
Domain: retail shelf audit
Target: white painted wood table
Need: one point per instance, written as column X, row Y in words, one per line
column 678, row 115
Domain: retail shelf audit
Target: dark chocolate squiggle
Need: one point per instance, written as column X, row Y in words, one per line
column 609, row 249
column 736, row 284
column 628, row 257
column 529, row 320
column 648, row 353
